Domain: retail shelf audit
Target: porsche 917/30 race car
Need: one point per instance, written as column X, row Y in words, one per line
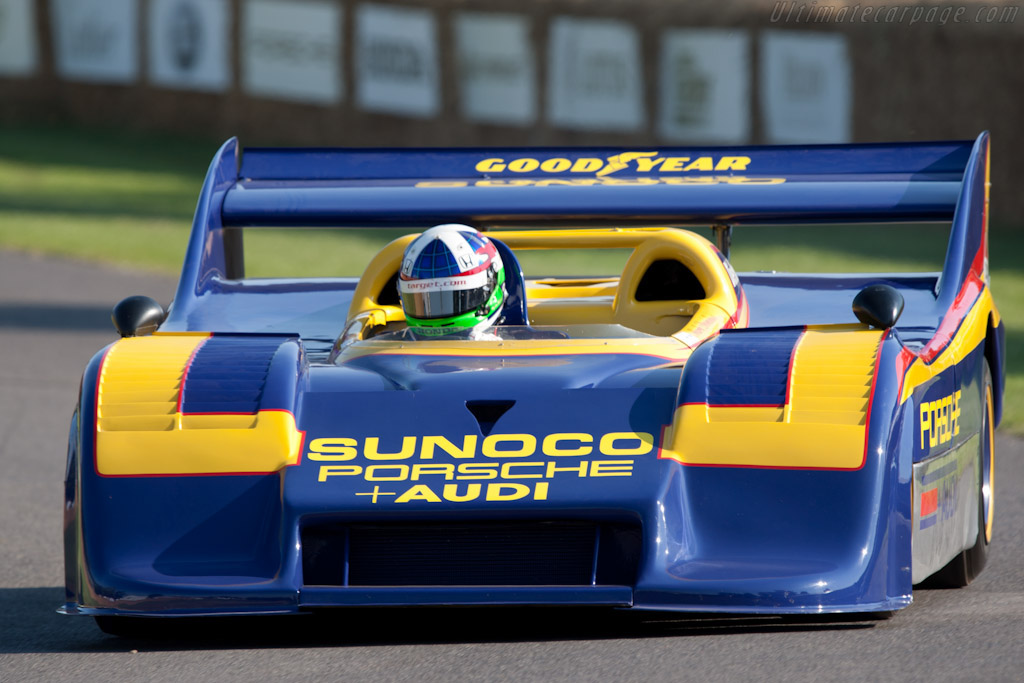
column 675, row 437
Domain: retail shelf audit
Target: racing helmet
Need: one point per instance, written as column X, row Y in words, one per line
column 452, row 279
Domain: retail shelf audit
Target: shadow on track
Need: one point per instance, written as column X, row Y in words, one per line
column 56, row 317
column 27, row 615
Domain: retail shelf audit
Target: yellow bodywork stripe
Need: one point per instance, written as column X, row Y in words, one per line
column 831, row 377
column 203, row 444
column 971, row 333
column 140, row 381
column 822, row 426
column 140, row 431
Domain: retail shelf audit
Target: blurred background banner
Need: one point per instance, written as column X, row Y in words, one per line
column 18, row 52
column 397, row 60
column 524, row 72
column 496, row 68
column 96, row 40
column 806, row 90
column 705, row 86
column 189, row 44
column 595, row 77
column 291, row 50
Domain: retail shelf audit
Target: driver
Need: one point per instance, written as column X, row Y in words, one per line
column 452, row 280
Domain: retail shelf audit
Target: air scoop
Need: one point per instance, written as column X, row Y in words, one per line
column 487, row 413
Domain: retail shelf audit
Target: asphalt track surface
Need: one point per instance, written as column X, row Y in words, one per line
column 55, row 314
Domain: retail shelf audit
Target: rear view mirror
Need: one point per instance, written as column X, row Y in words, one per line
column 878, row 305
column 137, row 316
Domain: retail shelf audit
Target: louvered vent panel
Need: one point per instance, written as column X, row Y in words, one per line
column 750, row 368
column 832, row 377
column 140, row 381
column 227, row 375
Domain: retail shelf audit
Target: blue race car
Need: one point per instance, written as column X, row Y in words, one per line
column 675, row 437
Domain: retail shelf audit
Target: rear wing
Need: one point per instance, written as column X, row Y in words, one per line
column 416, row 188
column 911, row 182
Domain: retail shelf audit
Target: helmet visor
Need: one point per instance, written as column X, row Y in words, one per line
column 431, row 305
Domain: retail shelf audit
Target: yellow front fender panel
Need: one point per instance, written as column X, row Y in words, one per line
column 141, row 429
column 821, row 421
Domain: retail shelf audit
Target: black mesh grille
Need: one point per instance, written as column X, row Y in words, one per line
column 481, row 554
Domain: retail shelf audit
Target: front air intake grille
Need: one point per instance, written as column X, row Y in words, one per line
column 559, row 553
column 454, row 555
